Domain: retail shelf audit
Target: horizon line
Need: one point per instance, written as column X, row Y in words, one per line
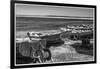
column 56, row 16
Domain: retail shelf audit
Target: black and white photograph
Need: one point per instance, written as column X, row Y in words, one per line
column 50, row 34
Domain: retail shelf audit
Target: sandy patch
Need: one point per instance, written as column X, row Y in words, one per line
column 66, row 53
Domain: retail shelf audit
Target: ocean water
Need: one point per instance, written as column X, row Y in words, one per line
column 48, row 25
column 32, row 23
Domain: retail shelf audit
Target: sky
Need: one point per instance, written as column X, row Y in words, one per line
column 27, row 9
